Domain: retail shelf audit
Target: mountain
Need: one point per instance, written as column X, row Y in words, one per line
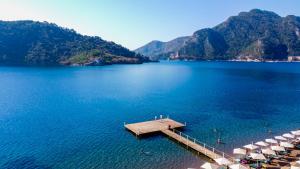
column 158, row 49
column 42, row 43
column 256, row 35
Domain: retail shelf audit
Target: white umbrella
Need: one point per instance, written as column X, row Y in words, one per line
column 272, row 141
column 280, row 138
column 277, row 148
column 268, row 151
column 286, row 144
column 238, row 166
column 223, row 161
column 257, row 156
column 297, row 133
column 288, row 135
column 239, row 151
column 298, row 161
column 261, row 143
column 295, row 166
column 251, row 147
column 210, row 166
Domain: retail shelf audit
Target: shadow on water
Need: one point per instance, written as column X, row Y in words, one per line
column 151, row 135
column 268, row 76
column 24, row 163
column 145, row 136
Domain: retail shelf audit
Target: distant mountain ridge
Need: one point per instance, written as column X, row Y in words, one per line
column 43, row 43
column 255, row 35
column 158, row 49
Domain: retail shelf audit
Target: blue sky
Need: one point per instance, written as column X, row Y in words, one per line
column 133, row 23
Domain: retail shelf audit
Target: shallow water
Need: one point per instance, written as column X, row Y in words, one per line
column 73, row 117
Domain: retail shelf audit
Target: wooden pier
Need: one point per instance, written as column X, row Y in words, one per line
column 153, row 126
column 168, row 127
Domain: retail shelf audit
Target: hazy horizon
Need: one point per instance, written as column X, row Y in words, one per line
column 134, row 23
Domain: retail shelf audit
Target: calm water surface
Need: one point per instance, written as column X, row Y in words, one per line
column 63, row 118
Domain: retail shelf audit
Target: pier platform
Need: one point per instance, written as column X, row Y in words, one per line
column 153, row 126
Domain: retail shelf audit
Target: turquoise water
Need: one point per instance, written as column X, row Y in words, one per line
column 73, row 117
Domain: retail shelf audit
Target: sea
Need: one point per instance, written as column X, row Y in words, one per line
column 73, row 117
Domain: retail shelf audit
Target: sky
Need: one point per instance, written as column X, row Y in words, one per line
column 133, row 23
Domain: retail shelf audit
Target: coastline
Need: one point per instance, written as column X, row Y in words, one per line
column 149, row 61
column 234, row 60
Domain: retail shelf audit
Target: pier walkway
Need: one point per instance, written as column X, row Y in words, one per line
column 168, row 127
column 192, row 144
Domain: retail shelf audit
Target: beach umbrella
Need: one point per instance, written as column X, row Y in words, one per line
column 261, row 143
column 210, row 166
column 256, row 156
column 268, row 151
column 239, row 151
column 277, row 148
column 280, row 138
column 288, row 135
column 251, row 147
column 297, row 133
column 272, row 141
column 238, row 166
column 286, row 144
column 298, row 161
column 295, row 166
column 223, row 161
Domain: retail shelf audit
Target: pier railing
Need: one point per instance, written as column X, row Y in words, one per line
column 204, row 145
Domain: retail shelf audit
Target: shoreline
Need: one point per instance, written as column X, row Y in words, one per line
column 158, row 61
column 233, row 60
